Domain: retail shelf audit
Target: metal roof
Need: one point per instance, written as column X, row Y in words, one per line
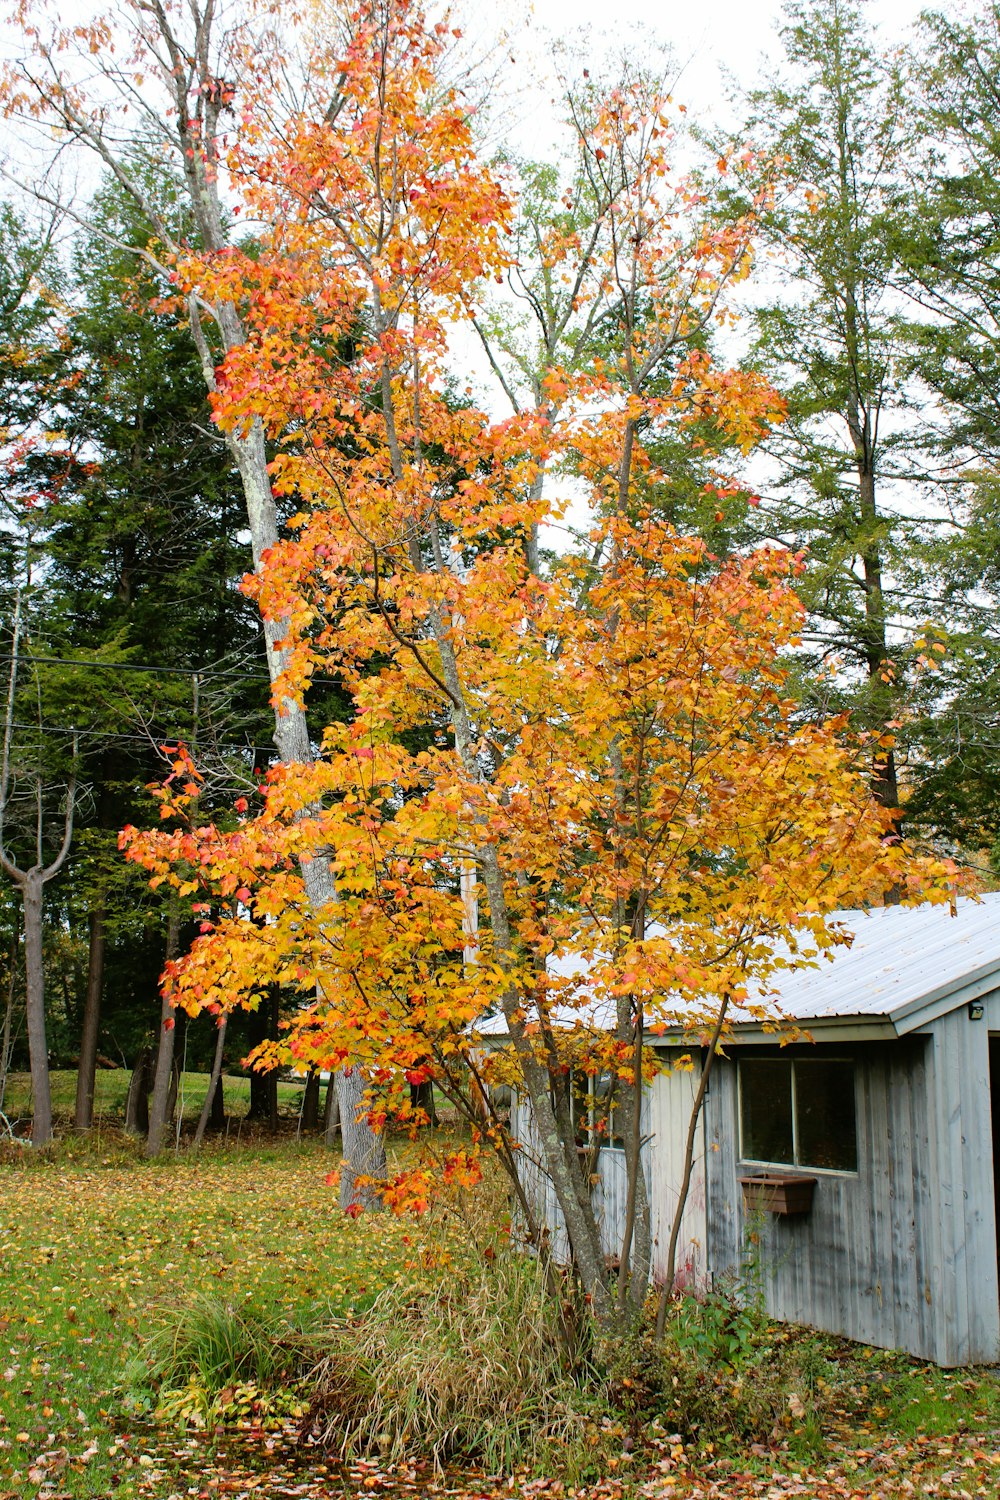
column 903, row 962
column 905, row 966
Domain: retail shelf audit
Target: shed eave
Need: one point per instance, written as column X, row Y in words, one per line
column 930, row 1008
column 815, row 1029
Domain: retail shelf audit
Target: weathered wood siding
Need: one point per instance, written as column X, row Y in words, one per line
column 671, row 1100
column 902, row 1254
column 967, row 1304
column 665, row 1116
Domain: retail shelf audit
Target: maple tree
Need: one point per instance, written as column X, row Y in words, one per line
column 603, row 746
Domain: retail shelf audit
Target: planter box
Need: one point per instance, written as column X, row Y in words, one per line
column 784, row 1193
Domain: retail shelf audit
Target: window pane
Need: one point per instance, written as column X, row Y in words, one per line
column 604, row 1117
column 766, row 1103
column 825, row 1115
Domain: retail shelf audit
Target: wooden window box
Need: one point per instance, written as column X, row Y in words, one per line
column 785, row 1193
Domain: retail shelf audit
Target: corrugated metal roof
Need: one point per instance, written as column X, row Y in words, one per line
column 903, row 959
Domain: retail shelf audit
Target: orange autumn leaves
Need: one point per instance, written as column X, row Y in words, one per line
column 604, row 746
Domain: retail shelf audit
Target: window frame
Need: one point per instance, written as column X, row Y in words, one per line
column 788, row 1166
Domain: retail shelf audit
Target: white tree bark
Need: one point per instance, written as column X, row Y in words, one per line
column 194, row 71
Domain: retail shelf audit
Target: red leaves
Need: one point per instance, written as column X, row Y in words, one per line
column 462, row 1169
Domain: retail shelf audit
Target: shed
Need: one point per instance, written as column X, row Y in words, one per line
column 891, row 1108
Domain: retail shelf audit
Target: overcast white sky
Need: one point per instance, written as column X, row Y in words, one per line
column 709, row 38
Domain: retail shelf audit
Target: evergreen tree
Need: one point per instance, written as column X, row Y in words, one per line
column 945, row 234
column 833, row 341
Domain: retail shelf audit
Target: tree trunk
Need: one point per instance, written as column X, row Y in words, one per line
column 272, row 1077
column 331, row 1115
column 6, row 1038
column 175, row 1079
column 217, row 1117
column 137, row 1102
column 309, row 1119
column 258, row 1109
column 692, row 1134
column 364, row 1152
column 159, row 1108
column 83, row 1117
column 214, row 1082
column 34, row 1005
column 422, row 1097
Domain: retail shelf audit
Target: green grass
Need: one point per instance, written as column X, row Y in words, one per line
column 111, row 1091
column 102, row 1250
column 99, row 1248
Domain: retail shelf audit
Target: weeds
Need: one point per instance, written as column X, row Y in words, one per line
column 472, row 1368
column 728, row 1372
column 219, row 1360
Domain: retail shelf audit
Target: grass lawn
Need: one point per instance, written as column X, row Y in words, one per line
column 99, row 1246
column 111, row 1091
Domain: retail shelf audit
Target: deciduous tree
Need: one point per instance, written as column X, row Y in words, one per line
column 608, row 742
column 162, row 85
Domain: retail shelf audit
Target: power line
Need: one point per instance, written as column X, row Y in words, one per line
column 131, row 666
column 151, row 741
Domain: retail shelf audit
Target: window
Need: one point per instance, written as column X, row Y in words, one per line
column 605, row 1126
column 593, row 1108
column 799, row 1112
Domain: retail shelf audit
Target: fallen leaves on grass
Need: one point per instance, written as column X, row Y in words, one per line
column 95, row 1254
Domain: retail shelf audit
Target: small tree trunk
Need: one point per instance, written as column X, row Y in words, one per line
column 6, row 1039
column 214, row 1082
column 272, row 1077
column 175, row 1079
column 83, row 1117
column 258, row 1109
column 34, row 1005
column 260, row 1083
column 685, row 1187
column 137, row 1102
column 422, row 1097
column 217, row 1117
column 159, row 1111
column 310, row 1102
column 331, row 1115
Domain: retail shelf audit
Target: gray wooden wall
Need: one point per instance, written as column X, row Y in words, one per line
column 666, row 1111
column 902, row 1254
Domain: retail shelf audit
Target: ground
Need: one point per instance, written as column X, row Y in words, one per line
column 97, row 1246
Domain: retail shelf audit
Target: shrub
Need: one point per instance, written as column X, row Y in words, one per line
column 726, row 1371
column 472, row 1368
column 219, row 1360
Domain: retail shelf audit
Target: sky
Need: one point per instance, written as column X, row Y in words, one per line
column 710, row 39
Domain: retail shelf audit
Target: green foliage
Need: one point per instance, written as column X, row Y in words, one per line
column 219, row 1360
column 832, row 340
column 727, row 1372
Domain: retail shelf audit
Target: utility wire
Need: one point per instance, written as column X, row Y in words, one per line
column 140, row 739
column 131, row 666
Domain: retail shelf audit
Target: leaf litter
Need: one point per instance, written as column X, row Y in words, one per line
column 95, row 1251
